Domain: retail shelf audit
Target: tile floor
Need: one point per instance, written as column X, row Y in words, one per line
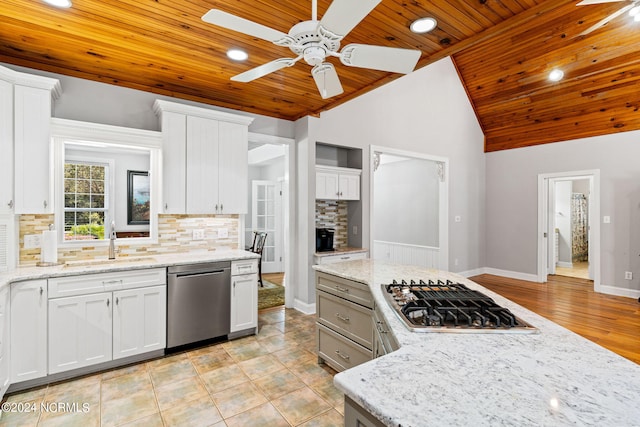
column 271, row 379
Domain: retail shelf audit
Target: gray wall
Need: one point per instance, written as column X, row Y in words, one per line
column 512, row 210
column 405, row 202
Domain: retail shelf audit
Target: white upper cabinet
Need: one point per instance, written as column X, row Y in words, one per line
column 32, row 143
column 6, row 144
column 333, row 183
column 205, row 165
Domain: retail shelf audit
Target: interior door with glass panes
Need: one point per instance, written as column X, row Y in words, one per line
column 265, row 211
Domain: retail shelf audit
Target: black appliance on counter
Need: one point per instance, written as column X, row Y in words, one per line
column 439, row 306
column 324, row 240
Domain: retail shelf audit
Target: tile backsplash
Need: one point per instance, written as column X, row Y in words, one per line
column 175, row 235
column 333, row 214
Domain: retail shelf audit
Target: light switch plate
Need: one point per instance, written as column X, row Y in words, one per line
column 198, row 234
column 223, row 233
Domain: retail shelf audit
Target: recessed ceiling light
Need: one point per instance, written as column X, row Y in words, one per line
column 59, row 3
column 635, row 11
column 237, row 54
column 423, row 25
column 556, row 75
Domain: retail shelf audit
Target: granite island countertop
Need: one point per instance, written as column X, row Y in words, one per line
column 552, row 378
column 74, row 268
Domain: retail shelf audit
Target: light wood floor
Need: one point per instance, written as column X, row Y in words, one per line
column 610, row 321
column 579, row 269
column 277, row 278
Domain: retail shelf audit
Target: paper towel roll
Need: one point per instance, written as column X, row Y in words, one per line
column 49, row 247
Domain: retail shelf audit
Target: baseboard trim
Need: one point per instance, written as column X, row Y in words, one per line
column 304, row 307
column 506, row 273
column 620, row 292
column 471, row 273
column 564, row 264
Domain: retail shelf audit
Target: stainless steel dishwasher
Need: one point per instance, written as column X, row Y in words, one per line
column 198, row 302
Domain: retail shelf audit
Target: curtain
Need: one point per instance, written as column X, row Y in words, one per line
column 579, row 228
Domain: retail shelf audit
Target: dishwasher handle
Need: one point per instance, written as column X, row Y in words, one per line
column 198, row 273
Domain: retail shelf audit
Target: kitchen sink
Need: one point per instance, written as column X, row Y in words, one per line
column 100, row 262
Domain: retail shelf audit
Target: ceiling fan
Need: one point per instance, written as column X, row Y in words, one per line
column 631, row 4
column 315, row 40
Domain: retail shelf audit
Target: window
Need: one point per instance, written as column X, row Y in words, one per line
column 86, row 200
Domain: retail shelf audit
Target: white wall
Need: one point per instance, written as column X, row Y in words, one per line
column 563, row 221
column 511, row 202
column 426, row 112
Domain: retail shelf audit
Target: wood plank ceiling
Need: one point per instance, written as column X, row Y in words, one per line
column 503, row 50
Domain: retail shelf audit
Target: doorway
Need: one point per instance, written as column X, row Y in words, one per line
column 417, row 233
column 268, row 207
column 568, row 225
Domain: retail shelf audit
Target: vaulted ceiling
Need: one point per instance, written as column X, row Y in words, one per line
column 503, row 50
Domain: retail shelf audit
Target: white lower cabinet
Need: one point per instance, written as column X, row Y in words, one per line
column 28, row 327
column 79, row 331
column 98, row 327
column 244, row 295
column 139, row 319
column 4, row 341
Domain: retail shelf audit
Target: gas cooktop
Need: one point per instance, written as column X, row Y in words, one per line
column 446, row 306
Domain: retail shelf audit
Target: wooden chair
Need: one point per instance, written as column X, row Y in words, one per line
column 259, row 239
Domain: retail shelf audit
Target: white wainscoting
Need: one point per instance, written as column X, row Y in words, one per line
column 401, row 253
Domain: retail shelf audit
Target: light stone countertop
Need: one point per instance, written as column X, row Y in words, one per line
column 341, row 251
column 122, row 263
column 553, row 378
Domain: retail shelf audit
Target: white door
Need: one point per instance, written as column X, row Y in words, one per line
column 202, row 165
column 327, row 185
column 266, row 207
column 349, row 187
column 28, row 330
column 4, row 341
column 79, row 331
column 233, row 168
column 244, row 302
column 139, row 321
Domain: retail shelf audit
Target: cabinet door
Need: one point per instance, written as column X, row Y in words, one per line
column 28, row 330
column 79, row 331
column 326, row 185
column 174, row 162
column 32, row 114
column 233, row 168
column 202, row 165
column 6, row 147
column 349, row 187
column 4, row 341
column 244, row 302
column 139, row 321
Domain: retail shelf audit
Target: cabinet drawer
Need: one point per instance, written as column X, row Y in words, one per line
column 340, row 352
column 347, row 289
column 101, row 282
column 384, row 335
column 349, row 319
column 331, row 259
column 249, row 266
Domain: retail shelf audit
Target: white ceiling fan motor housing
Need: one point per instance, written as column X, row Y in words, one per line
column 313, row 42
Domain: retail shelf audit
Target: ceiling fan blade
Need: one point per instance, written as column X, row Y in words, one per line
column 391, row 59
column 607, row 19
column 589, row 2
column 241, row 25
column 343, row 15
column 327, row 80
column 263, row 70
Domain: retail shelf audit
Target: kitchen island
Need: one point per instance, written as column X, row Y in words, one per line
column 551, row 378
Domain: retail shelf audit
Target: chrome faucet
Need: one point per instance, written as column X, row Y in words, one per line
column 112, row 241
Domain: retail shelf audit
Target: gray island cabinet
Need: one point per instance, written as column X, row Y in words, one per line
column 550, row 378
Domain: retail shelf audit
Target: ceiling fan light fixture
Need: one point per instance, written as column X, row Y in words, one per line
column 59, row 3
column 423, row 25
column 237, row 54
column 556, row 75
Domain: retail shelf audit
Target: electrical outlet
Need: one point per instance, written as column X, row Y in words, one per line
column 198, row 234
column 456, row 262
column 628, row 275
column 223, row 233
column 32, row 241
column 355, row 230
column 606, row 219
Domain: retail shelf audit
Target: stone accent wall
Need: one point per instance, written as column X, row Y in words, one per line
column 333, row 214
column 175, row 235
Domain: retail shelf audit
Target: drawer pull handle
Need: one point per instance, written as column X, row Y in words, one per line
column 41, row 290
column 107, row 302
column 111, row 282
column 380, row 328
column 344, row 356
column 345, row 257
column 341, row 289
column 341, row 317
